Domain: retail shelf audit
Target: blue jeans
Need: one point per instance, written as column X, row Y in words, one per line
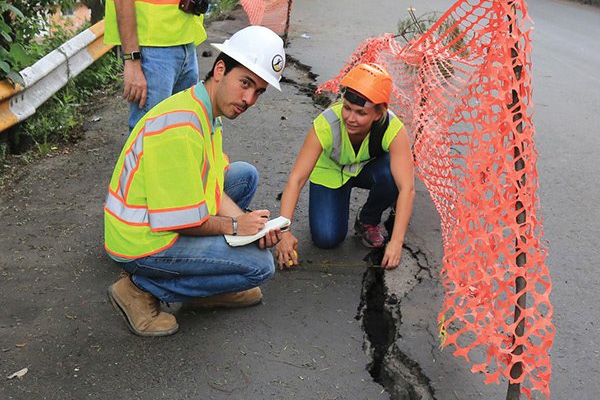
column 329, row 209
column 204, row 266
column 168, row 70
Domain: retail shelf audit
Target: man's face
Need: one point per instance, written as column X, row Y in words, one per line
column 237, row 90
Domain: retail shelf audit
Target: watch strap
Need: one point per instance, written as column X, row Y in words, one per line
column 235, row 225
column 134, row 55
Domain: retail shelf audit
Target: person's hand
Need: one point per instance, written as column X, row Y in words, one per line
column 135, row 86
column 391, row 257
column 285, row 251
column 270, row 239
column 252, row 222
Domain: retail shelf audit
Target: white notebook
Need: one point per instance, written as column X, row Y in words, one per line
column 240, row 240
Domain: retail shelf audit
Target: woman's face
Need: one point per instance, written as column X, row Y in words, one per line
column 357, row 119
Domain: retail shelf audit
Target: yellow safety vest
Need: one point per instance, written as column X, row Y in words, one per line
column 338, row 162
column 169, row 176
column 160, row 23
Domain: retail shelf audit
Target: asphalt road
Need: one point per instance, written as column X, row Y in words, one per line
column 305, row 341
column 566, row 90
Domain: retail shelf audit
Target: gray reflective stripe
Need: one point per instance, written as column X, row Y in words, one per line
column 205, row 173
column 140, row 215
column 354, row 168
column 129, row 164
column 154, row 125
column 156, row 219
column 336, row 134
column 171, row 219
column 336, row 142
column 132, row 215
column 162, row 121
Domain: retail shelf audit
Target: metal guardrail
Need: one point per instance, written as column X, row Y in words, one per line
column 50, row 74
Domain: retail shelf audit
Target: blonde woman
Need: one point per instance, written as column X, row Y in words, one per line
column 357, row 142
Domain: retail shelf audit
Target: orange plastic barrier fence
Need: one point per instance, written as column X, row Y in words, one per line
column 270, row 13
column 464, row 90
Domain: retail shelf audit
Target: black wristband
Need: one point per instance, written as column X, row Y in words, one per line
column 134, row 55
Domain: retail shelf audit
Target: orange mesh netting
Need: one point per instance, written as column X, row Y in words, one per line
column 463, row 88
column 270, row 13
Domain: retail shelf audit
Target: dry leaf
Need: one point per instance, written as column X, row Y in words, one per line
column 19, row 374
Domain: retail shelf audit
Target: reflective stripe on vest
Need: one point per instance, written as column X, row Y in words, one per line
column 336, row 143
column 157, row 219
column 140, row 215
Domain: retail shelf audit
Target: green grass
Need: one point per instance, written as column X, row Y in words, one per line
column 220, row 9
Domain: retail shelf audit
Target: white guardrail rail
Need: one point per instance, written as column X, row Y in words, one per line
column 49, row 75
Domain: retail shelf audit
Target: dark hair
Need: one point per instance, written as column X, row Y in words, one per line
column 230, row 64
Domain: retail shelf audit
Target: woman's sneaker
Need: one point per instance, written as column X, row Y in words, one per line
column 371, row 234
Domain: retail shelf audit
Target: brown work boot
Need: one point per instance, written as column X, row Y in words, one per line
column 245, row 298
column 141, row 310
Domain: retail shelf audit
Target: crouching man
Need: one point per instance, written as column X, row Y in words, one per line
column 173, row 195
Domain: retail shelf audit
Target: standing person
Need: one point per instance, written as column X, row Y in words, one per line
column 158, row 42
column 357, row 142
column 173, row 195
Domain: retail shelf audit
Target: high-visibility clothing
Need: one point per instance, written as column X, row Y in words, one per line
column 338, row 161
column 169, row 176
column 160, row 23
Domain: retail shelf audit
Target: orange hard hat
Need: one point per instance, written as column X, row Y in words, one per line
column 370, row 80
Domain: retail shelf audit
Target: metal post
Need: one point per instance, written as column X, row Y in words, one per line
column 514, row 389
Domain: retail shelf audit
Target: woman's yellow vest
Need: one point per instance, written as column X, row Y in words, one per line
column 169, row 176
column 338, row 162
column 160, row 23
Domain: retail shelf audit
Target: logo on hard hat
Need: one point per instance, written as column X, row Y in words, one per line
column 277, row 63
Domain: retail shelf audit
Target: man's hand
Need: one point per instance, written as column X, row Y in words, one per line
column 252, row 222
column 136, row 87
column 270, row 239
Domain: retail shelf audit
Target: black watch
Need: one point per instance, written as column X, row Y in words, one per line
column 134, row 55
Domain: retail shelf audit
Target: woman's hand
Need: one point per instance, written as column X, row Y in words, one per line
column 391, row 257
column 285, row 251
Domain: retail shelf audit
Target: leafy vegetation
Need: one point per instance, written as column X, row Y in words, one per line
column 413, row 27
column 57, row 121
column 20, row 23
column 219, row 9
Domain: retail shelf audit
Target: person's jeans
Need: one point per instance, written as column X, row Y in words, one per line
column 168, row 70
column 203, row 266
column 329, row 209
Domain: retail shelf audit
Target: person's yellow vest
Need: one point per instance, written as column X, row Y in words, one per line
column 338, row 162
column 159, row 24
column 169, row 176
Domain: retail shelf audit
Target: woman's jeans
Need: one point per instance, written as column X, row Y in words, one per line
column 203, row 266
column 329, row 209
column 168, row 70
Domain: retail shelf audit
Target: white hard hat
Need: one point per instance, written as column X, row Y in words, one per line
column 259, row 49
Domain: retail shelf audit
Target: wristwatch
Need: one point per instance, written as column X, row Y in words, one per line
column 235, row 225
column 134, row 55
